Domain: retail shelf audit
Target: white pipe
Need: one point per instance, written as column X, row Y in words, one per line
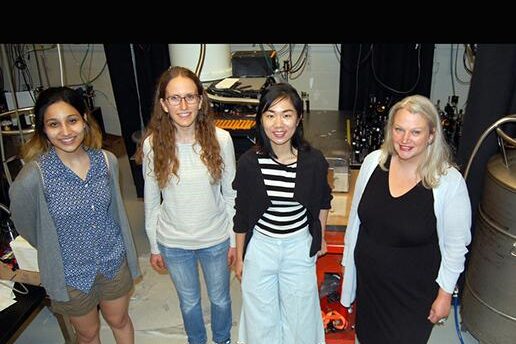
column 61, row 71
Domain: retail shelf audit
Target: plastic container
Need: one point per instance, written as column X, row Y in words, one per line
column 338, row 174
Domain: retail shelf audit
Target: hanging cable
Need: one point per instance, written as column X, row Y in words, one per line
column 451, row 70
column 336, row 50
column 356, row 80
column 200, row 60
column 455, row 298
column 418, row 48
column 37, row 64
column 135, row 73
column 469, row 58
column 267, row 58
column 463, row 82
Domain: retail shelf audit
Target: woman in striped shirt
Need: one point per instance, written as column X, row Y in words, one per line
column 282, row 204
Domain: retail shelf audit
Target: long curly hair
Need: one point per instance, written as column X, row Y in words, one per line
column 162, row 131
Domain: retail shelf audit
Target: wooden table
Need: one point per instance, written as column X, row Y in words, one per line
column 14, row 319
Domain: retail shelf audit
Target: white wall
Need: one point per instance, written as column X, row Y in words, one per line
column 444, row 61
column 320, row 77
column 72, row 57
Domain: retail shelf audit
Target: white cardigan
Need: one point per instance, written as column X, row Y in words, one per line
column 452, row 210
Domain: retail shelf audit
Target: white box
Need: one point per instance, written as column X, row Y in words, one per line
column 26, row 255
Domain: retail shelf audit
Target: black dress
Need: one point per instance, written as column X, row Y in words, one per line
column 397, row 258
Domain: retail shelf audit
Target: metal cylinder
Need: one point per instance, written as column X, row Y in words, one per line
column 489, row 300
column 216, row 65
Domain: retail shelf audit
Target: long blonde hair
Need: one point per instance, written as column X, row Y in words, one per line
column 163, row 132
column 438, row 157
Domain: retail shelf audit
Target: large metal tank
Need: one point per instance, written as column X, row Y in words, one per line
column 489, row 299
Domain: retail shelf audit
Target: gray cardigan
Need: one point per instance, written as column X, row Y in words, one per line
column 32, row 219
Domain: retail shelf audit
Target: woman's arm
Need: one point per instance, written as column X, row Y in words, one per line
column 228, row 175
column 152, row 195
column 23, row 194
column 239, row 264
column 323, row 217
column 455, row 231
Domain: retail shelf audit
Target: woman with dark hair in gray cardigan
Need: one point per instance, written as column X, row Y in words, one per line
column 66, row 202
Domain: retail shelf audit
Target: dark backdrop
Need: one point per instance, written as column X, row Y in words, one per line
column 133, row 95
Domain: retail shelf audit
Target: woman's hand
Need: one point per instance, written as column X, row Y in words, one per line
column 231, row 257
column 441, row 307
column 157, row 263
column 239, row 269
column 324, row 248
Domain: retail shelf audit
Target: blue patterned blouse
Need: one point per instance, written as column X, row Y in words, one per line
column 90, row 239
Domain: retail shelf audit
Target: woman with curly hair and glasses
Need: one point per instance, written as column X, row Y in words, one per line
column 188, row 167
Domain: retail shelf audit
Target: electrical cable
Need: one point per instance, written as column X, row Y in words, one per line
column 25, row 291
column 7, row 56
column 86, row 80
column 37, row 64
column 336, row 50
column 135, row 73
column 451, row 71
column 81, row 67
column 301, row 60
column 303, row 64
column 356, row 80
column 469, row 54
column 267, row 58
column 455, row 298
column 44, row 63
column 349, row 68
column 456, row 72
column 200, row 61
column 23, row 72
column 418, row 47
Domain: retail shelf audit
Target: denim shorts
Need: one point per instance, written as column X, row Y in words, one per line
column 103, row 289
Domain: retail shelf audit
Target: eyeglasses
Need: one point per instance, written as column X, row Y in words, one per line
column 176, row 99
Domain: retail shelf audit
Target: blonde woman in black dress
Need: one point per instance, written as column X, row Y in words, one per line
column 408, row 230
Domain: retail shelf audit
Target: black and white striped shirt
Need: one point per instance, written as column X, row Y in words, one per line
column 286, row 216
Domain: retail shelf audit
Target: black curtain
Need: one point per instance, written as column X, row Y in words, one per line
column 150, row 61
column 492, row 95
column 384, row 70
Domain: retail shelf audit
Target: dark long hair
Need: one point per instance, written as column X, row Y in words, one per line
column 39, row 144
column 269, row 97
